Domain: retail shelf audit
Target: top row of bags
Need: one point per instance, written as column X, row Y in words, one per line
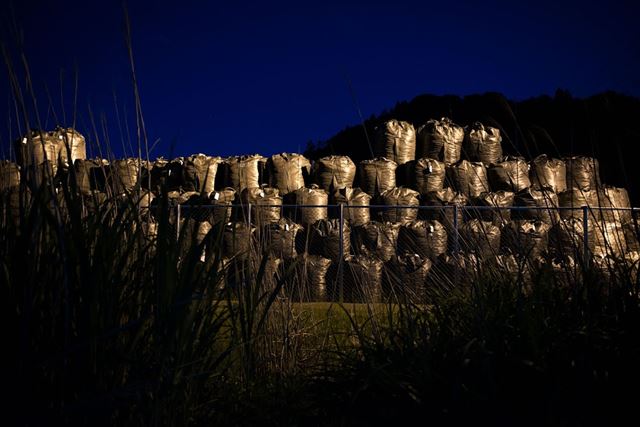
column 290, row 172
column 440, row 140
column 438, row 144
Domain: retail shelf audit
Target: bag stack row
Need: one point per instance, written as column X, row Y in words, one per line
column 481, row 206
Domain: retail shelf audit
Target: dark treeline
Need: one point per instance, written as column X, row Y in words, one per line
column 605, row 126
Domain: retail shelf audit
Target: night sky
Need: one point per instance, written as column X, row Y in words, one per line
column 242, row 77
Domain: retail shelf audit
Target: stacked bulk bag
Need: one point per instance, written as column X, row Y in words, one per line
column 191, row 198
column 469, row 178
column 143, row 199
column 630, row 230
column 236, row 240
column 507, row 268
column 617, row 272
column 379, row 239
column 172, row 198
column 57, row 203
column 190, row 180
column 197, row 205
column 11, row 200
column 614, row 204
column 609, row 239
column 510, row 174
column 400, row 196
column 316, row 269
column 238, row 271
column 494, row 200
column 157, row 179
column 36, row 148
column 72, row 143
column 312, row 196
column 574, row 200
column 603, row 270
column 483, row 144
column 174, row 175
column 440, row 140
column 441, row 205
column 630, row 267
column 429, row 175
column 540, row 205
column 193, row 233
column 583, row 173
column 43, row 174
column 154, row 174
column 145, row 233
column 396, row 140
column 526, row 238
column 458, row 269
column 309, row 280
column 266, row 204
column 377, row 175
column 425, row 238
column 181, row 175
column 546, row 173
column 271, row 273
column 288, row 171
column 41, row 151
column 565, row 270
column 279, row 238
column 363, row 280
column 480, row 237
column 356, row 216
column 124, row 175
column 9, row 175
column 567, row 237
column 245, row 171
column 94, row 201
column 334, row 172
column 206, row 169
column 405, row 277
column 222, row 202
column 45, row 151
column 150, row 231
column 146, row 166
column 91, row 175
column 326, row 239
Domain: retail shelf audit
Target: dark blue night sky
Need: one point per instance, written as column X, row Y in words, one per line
column 242, row 77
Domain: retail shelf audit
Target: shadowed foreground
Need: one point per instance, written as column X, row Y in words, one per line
column 109, row 326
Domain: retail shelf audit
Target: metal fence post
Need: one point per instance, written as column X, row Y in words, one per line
column 178, row 211
column 456, row 234
column 634, row 220
column 585, row 239
column 341, row 254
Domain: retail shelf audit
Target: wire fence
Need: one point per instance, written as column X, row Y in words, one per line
column 587, row 220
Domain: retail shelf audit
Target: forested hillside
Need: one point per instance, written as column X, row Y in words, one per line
column 605, row 126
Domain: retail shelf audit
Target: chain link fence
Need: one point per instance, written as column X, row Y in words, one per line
column 427, row 242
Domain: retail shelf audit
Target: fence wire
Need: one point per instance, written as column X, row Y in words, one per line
column 439, row 242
